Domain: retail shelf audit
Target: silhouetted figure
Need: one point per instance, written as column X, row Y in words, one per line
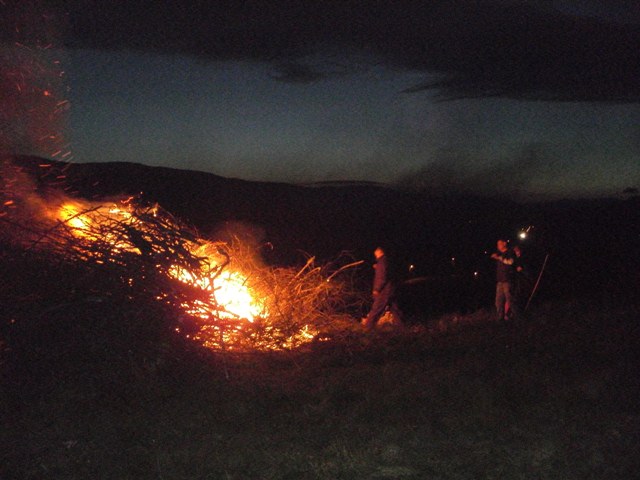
column 384, row 291
column 504, row 280
column 521, row 281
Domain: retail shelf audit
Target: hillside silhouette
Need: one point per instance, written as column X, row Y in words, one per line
column 592, row 243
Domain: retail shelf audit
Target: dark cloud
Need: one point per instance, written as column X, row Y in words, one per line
column 478, row 48
column 310, row 71
column 295, row 72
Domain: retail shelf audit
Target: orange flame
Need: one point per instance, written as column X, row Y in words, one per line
column 227, row 289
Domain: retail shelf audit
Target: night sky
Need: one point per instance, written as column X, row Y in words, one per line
column 535, row 99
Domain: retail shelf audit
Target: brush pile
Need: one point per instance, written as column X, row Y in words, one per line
column 220, row 294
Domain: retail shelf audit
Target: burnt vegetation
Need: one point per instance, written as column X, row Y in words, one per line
column 106, row 375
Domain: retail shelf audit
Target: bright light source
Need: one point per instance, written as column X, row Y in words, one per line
column 524, row 233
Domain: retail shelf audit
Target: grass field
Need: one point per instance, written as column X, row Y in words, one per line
column 89, row 394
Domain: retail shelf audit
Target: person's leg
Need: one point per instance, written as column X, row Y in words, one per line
column 396, row 311
column 511, row 311
column 377, row 309
column 500, row 300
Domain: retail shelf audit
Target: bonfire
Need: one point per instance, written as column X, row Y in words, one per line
column 223, row 294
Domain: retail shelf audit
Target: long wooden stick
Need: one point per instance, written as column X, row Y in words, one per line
column 535, row 287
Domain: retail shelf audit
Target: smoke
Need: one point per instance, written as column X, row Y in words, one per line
column 247, row 233
column 245, row 237
column 465, row 174
column 18, row 191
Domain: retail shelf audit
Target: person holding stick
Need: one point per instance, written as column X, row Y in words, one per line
column 504, row 281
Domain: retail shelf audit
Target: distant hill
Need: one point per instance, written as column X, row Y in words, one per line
column 592, row 242
column 321, row 219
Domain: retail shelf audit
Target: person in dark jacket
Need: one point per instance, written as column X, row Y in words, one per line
column 521, row 281
column 504, row 280
column 384, row 291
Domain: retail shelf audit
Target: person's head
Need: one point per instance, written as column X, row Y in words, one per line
column 378, row 252
column 502, row 245
column 517, row 250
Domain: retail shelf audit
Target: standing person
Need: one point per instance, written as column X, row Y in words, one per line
column 384, row 291
column 504, row 280
column 522, row 279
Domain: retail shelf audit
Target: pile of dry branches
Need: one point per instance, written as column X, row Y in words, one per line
column 136, row 249
column 303, row 304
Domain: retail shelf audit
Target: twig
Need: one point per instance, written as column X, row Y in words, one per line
column 354, row 264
